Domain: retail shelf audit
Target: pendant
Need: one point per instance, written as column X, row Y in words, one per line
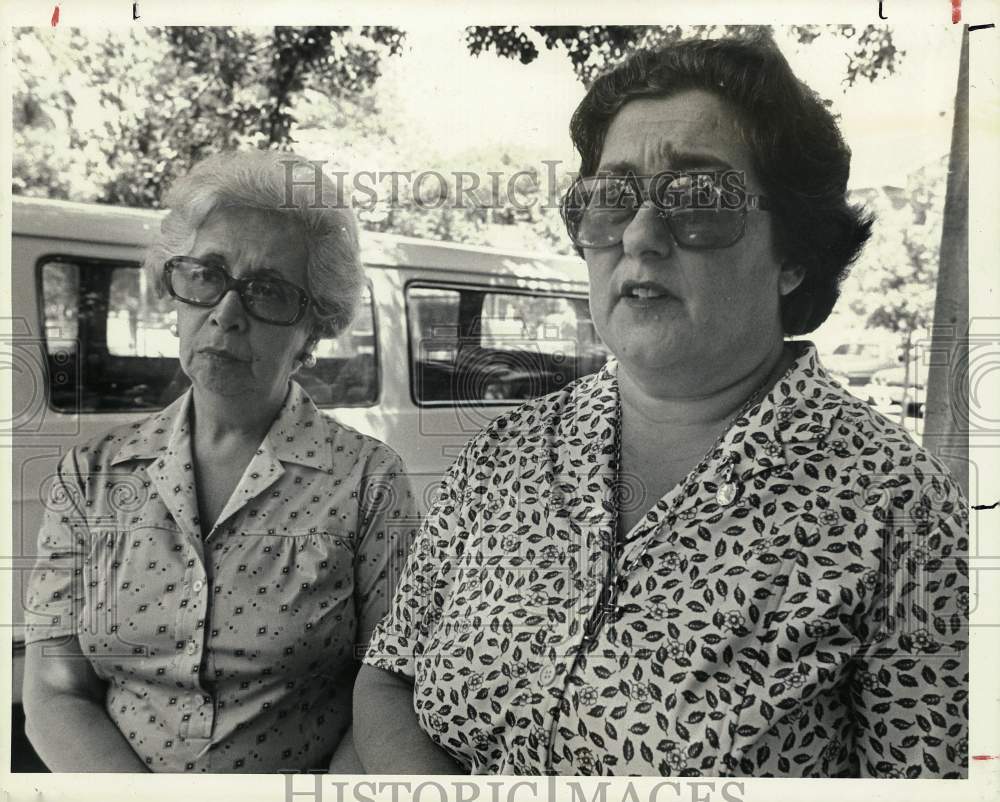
column 726, row 494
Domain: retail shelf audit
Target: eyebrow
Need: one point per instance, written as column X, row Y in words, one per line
column 680, row 161
column 214, row 257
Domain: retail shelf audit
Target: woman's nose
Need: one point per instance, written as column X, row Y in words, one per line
column 229, row 313
column 647, row 234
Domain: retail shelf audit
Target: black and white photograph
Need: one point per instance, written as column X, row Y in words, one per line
column 533, row 401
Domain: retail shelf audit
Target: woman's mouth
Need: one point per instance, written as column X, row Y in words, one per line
column 221, row 353
column 644, row 293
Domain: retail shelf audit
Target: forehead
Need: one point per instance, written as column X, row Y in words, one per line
column 250, row 239
column 688, row 130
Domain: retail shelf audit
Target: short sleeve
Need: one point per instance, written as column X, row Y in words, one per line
column 911, row 688
column 54, row 597
column 401, row 635
column 389, row 519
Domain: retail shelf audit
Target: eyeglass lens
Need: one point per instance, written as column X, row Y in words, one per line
column 272, row 300
column 599, row 208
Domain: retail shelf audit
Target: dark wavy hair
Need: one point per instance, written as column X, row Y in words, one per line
column 797, row 149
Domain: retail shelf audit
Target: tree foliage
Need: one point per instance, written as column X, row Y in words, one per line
column 592, row 49
column 164, row 98
column 893, row 284
column 518, row 211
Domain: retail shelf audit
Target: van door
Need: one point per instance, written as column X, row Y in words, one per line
column 475, row 350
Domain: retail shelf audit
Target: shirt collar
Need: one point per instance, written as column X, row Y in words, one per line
column 800, row 408
column 154, row 436
column 298, row 434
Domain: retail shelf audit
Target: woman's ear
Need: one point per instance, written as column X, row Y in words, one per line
column 315, row 335
column 790, row 277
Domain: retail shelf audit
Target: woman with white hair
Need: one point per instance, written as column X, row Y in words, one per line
column 212, row 622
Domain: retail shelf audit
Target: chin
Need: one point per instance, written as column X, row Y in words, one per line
column 222, row 382
column 652, row 351
column 225, row 389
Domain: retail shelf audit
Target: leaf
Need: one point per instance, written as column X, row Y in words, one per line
column 646, row 752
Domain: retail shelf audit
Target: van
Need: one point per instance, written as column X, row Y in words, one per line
column 446, row 338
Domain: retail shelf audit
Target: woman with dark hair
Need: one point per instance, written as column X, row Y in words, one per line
column 207, row 577
column 707, row 558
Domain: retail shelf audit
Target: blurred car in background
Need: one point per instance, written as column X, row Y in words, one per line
column 893, row 391
column 859, row 360
column 871, row 364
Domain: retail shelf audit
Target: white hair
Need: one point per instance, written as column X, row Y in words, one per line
column 286, row 184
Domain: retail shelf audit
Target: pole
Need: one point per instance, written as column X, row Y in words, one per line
column 946, row 421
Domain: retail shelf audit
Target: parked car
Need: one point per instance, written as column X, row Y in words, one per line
column 892, row 388
column 859, row 360
column 447, row 337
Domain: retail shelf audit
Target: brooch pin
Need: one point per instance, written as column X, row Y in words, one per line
column 728, row 490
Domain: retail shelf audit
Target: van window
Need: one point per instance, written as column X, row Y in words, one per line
column 471, row 345
column 111, row 343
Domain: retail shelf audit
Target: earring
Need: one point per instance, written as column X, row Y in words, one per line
column 308, row 360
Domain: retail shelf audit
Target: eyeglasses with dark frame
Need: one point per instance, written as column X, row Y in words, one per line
column 704, row 210
column 199, row 283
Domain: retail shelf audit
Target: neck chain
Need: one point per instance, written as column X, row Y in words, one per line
column 725, row 495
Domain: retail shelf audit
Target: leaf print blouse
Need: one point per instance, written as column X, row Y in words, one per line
column 236, row 651
column 808, row 621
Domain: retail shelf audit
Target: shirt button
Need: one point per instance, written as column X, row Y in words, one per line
column 191, row 647
column 547, row 675
column 197, row 586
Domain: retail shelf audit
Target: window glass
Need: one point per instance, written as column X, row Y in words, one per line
column 140, row 323
column 61, row 299
column 475, row 346
column 433, row 315
column 112, row 345
column 346, row 373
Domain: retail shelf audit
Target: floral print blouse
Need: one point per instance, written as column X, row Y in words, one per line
column 235, row 651
column 797, row 607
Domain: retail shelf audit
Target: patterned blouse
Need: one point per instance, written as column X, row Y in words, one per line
column 796, row 607
column 236, row 651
